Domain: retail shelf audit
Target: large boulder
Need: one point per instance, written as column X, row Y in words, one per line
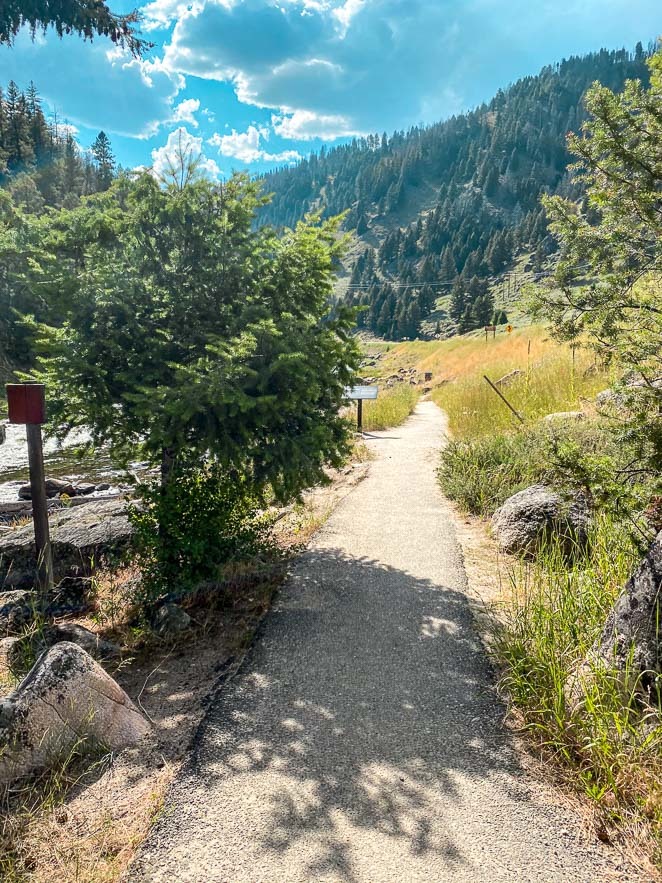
column 81, row 538
column 632, row 638
column 532, row 516
column 66, row 700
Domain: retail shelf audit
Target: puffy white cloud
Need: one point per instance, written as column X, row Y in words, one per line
column 304, row 125
column 185, row 110
column 182, row 146
column 332, row 68
column 245, row 146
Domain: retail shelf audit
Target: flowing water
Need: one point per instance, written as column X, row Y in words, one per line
column 62, row 460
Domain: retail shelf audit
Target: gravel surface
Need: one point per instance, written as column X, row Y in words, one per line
column 361, row 741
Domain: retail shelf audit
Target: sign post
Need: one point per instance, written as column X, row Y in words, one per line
column 359, row 393
column 27, row 406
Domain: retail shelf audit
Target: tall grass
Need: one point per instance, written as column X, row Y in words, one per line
column 604, row 733
column 552, row 379
column 390, row 408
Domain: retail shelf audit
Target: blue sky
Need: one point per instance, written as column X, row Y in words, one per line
column 254, row 84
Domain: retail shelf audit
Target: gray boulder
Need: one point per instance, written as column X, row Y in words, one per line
column 509, row 378
column 565, row 416
column 66, row 700
column 81, row 538
column 17, row 609
column 632, row 633
column 170, row 620
column 532, row 516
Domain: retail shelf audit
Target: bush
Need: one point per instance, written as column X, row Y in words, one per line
column 185, row 533
column 556, row 612
column 480, row 474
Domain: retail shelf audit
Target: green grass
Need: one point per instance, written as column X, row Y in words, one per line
column 391, row 408
column 482, row 472
column 605, row 735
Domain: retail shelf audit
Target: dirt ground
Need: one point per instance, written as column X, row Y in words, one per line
column 90, row 825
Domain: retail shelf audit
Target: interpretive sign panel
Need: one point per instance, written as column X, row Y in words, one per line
column 362, row 392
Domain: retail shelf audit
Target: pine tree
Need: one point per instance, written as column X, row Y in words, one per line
column 105, row 160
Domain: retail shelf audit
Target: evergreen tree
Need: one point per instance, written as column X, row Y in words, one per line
column 105, row 160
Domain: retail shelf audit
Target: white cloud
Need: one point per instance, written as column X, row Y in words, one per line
column 245, row 146
column 182, row 144
column 303, row 125
column 331, row 68
column 185, row 110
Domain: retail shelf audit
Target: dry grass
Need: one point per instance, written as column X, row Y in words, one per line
column 552, row 379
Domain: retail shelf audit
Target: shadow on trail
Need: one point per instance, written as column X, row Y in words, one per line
column 366, row 696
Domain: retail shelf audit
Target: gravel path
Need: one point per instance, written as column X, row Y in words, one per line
column 361, row 741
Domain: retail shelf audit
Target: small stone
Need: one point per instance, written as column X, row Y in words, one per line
column 170, row 619
column 104, row 486
column 17, row 608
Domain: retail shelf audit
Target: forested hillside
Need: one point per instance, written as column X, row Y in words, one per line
column 41, row 163
column 445, row 208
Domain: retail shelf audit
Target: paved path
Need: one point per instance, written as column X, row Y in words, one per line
column 361, row 742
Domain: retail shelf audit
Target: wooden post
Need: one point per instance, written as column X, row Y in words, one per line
column 359, row 415
column 26, row 404
column 40, row 509
column 504, row 399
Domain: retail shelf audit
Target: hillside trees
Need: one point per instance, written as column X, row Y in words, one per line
column 610, row 267
column 188, row 335
column 41, row 163
column 458, row 198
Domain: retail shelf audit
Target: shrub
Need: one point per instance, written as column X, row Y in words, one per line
column 184, row 533
column 481, row 473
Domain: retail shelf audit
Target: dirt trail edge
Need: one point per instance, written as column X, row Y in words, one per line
column 361, row 741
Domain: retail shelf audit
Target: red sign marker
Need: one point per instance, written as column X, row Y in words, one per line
column 26, row 402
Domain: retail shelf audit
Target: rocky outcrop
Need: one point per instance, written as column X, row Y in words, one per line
column 17, row 653
column 534, row 515
column 81, row 538
column 66, row 700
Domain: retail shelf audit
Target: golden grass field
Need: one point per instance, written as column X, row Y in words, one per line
column 551, row 380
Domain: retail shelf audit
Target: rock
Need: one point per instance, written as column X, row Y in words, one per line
column 11, row 652
column 17, row 608
column 509, row 378
column 633, row 624
column 3, row 432
column 533, row 515
column 66, row 699
column 81, row 538
column 170, row 620
column 104, row 486
column 84, row 638
column 54, row 488
column 82, row 490
column 560, row 416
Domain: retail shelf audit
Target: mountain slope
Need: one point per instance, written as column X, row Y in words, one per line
column 442, row 209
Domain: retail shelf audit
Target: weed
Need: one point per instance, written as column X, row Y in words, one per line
column 391, row 408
